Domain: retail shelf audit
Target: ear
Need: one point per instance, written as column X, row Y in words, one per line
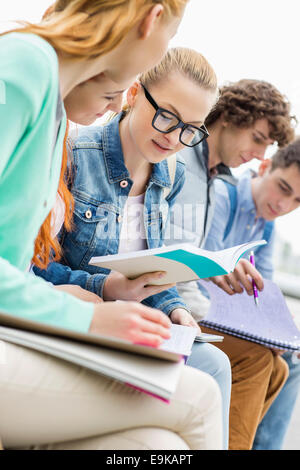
column 132, row 93
column 148, row 23
column 264, row 167
column 223, row 122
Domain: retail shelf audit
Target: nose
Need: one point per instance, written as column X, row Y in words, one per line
column 284, row 205
column 259, row 152
column 116, row 104
column 173, row 137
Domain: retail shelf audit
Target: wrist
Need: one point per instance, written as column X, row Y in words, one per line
column 106, row 289
column 177, row 311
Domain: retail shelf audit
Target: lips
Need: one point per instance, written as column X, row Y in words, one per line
column 274, row 213
column 245, row 160
column 161, row 148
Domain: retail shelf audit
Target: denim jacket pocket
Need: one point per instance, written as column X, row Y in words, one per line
column 154, row 227
column 88, row 219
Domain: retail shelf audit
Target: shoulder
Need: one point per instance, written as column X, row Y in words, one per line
column 193, row 154
column 29, row 70
column 180, row 166
column 87, row 137
column 195, row 162
column 25, row 55
column 222, row 188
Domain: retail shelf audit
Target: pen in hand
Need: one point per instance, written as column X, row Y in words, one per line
column 255, row 292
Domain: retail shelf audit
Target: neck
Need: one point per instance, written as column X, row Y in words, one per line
column 254, row 191
column 73, row 72
column 214, row 157
column 139, row 169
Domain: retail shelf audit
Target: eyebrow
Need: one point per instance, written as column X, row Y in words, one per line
column 261, row 134
column 114, row 92
column 288, row 187
column 200, row 123
column 282, row 181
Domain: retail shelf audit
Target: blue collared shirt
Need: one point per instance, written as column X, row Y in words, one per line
column 245, row 227
column 100, row 185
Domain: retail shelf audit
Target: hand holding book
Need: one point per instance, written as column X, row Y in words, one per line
column 118, row 287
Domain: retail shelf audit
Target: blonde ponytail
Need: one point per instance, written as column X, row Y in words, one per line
column 86, row 29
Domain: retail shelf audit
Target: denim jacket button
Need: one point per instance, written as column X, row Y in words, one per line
column 119, row 219
column 88, row 214
column 124, row 184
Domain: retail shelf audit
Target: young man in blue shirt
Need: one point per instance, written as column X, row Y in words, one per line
column 244, row 213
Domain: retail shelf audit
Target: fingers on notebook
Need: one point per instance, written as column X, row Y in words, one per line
column 156, row 316
column 246, row 272
column 228, row 283
column 150, row 332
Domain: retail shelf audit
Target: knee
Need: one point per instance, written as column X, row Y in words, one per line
column 222, row 366
column 214, row 362
column 261, row 358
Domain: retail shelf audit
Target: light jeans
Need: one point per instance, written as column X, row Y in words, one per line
column 206, row 357
column 273, row 427
column 44, row 400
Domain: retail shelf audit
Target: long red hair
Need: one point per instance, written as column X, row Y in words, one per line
column 47, row 247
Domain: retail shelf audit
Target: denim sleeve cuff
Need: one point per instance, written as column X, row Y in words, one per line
column 95, row 283
column 168, row 306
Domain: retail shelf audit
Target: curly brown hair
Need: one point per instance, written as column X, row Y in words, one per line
column 244, row 102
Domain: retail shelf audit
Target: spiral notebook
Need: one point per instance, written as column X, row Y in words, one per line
column 270, row 323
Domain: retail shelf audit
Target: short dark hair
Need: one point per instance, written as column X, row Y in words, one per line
column 287, row 156
column 244, row 102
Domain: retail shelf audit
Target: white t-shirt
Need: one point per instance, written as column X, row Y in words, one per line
column 58, row 215
column 133, row 235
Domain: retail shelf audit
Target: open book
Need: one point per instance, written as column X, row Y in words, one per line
column 270, row 323
column 153, row 370
column 182, row 262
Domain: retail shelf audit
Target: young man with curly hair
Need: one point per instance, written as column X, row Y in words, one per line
column 249, row 116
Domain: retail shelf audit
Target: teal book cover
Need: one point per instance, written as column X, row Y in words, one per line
column 180, row 262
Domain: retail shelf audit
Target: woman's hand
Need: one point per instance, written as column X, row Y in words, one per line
column 180, row 316
column 80, row 293
column 119, row 287
column 131, row 321
column 240, row 279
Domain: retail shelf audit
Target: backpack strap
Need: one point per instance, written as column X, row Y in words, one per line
column 232, row 193
column 268, row 230
column 269, row 226
column 171, row 161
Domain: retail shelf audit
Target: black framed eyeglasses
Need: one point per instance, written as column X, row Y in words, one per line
column 165, row 121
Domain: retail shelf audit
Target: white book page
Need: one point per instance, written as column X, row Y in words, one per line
column 182, row 339
column 229, row 257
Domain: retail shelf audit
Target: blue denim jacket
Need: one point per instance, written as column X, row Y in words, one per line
column 100, row 195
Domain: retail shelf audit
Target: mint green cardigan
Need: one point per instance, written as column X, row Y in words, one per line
column 29, row 175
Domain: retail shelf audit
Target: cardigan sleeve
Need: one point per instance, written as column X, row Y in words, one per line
column 25, row 79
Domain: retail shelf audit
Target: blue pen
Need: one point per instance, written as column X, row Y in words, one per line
column 255, row 292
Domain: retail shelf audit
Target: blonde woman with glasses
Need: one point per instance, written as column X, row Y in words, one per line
column 123, row 191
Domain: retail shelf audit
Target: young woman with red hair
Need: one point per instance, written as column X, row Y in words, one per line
column 59, row 402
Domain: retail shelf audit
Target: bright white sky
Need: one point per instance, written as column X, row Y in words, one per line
column 241, row 39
